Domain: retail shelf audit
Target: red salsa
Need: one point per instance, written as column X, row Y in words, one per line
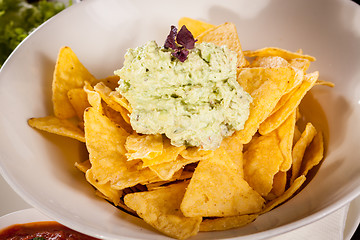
column 47, row 230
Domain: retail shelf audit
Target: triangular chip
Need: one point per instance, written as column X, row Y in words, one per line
column 69, row 73
column 225, row 223
column 313, row 154
column 225, row 34
column 295, row 186
column 105, row 142
column 79, row 100
column 288, row 104
column 262, row 161
column 272, row 51
column 196, row 27
column 58, row 126
column 217, row 190
column 143, row 146
column 161, row 209
column 299, row 150
column 266, row 86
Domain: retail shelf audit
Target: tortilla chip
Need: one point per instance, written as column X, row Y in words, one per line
column 272, row 51
column 196, row 153
column 143, row 146
column 166, row 170
column 110, row 193
column 285, row 134
column 104, row 92
column 262, row 161
column 69, row 73
column 300, row 63
column 161, row 209
column 313, row 154
column 295, row 186
column 299, row 149
column 168, row 154
column 225, row 34
column 115, row 95
column 266, row 86
column 83, row 166
column 105, row 142
column 217, row 190
column 79, row 101
column 111, row 82
column 225, row 223
column 279, row 185
column 288, row 104
column 62, row 127
column 269, row 62
column 196, row 27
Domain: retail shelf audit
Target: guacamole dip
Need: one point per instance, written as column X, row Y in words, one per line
column 197, row 102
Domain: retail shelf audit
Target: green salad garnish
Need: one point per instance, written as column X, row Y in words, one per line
column 19, row 17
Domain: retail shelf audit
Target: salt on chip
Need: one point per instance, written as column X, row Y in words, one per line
column 216, row 189
column 313, row 154
column 262, row 161
column 62, row 127
column 161, row 209
column 225, row 34
column 294, row 187
column 299, row 150
column 105, row 142
column 79, row 100
column 288, row 104
column 225, row 223
column 266, row 86
column 196, row 27
column 69, row 73
column 272, row 51
column 143, row 146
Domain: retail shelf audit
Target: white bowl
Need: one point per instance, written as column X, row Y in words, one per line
column 39, row 166
column 22, row 216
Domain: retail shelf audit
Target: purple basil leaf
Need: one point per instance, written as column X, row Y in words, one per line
column 170, row 40
column 185, row 38
column 181, row 54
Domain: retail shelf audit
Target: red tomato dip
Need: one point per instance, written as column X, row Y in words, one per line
column 47, row 230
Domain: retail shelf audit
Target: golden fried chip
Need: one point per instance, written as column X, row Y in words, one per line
column 104, row 92
column 69, row 73
column 287, row 194
column 94, row 98
column 225, row 34
column 169, row 154
column 262, row 161
column 234, row 148
column 313, row 154
column 288, row 104
column 110, row 193
column 196, row 153
column 279, row 185
column 300, row 63
column 115, row 95
column 166, row 170
column 196, row 27
column 266, row 86
column 285, row 134
column 272, row 51
column 299, row 150
column 83, row 166
column 225, row 223
column 116, row 117
column 324, row 83
column 58, row 126
column 161, row 209
column 217, row 190
column 269, row 62
column 105, row 142
column 143, row 146
column 111, row 81
column 79, row 100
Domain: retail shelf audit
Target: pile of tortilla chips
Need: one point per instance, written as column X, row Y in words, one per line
column 181, row 191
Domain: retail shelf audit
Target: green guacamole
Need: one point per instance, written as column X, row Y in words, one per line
column 197, row 102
